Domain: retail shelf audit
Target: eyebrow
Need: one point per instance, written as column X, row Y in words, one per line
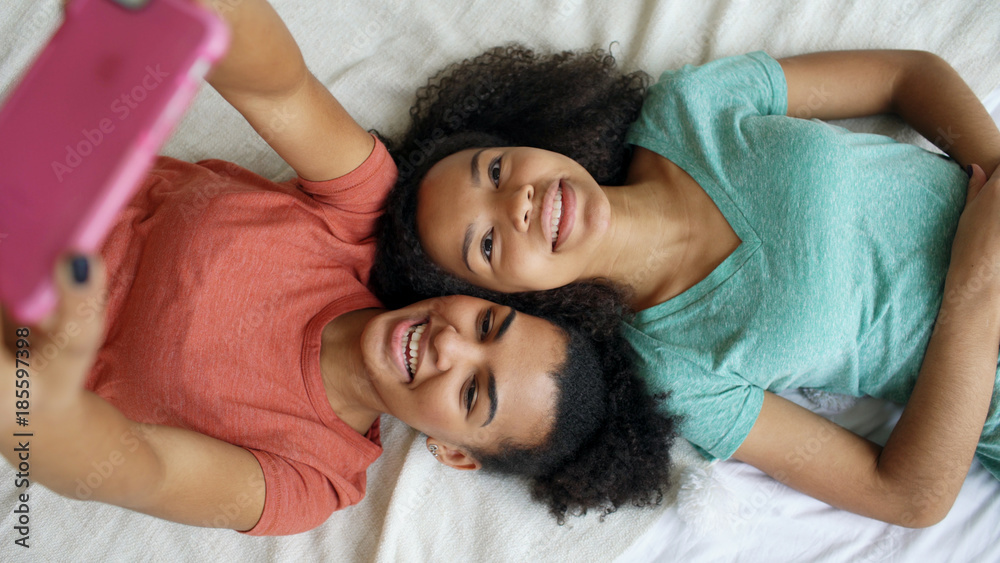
column 474, row 167
column 505, row 325
column 491, row 388
column 467, row 242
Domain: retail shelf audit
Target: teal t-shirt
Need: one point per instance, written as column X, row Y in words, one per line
column 846, row 240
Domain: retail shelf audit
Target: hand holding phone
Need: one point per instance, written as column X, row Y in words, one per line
column 79, row 132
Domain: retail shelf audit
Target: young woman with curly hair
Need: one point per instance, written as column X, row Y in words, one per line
column 240, row 376
column 762, row 250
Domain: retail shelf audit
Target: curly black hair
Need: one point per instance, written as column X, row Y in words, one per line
column 610, row 440
column 578, row 103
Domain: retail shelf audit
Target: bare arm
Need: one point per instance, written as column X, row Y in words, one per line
column 265, row 78
column 914, row 480
column 918, row 86
column 82, row 447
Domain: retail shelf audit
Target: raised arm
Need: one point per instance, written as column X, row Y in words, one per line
column 918, row 86
column 80, row 446
column 265, row 78
column 914, row 480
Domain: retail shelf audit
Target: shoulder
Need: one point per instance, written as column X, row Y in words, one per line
column 754, row 78
column 363, row 189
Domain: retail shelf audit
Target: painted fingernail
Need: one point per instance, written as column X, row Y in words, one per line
column 81, row 269
column 968, row 170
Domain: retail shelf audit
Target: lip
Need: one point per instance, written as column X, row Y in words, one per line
column 568, row 215
column 396, row 342
column 548, row 202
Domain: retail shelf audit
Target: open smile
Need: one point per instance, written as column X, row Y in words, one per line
column 411, row 347
column 557, row 213
column 406, row 341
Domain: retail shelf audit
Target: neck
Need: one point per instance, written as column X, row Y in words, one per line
column 648, row 241
column 345, row 377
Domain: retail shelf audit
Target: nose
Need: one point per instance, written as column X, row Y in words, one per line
column 521, row 206
column 452, row 350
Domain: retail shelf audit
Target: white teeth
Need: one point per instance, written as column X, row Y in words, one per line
column 556, row 215
column 411, row 346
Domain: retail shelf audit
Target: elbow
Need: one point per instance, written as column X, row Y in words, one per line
column 916, row 499
column 922, row 509
column 920, row 519
column 922, row 64
column 914, row 503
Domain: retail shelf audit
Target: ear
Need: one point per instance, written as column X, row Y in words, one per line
column 452, row 456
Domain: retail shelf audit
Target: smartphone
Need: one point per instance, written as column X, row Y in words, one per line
column 80, row 130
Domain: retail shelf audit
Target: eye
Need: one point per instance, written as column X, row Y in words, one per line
column 484, row 329
column 487, row 246
column 493, row 170
column 470, row 395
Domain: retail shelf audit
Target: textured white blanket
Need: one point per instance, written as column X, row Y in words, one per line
column 373, row 56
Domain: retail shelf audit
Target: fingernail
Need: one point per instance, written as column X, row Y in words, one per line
column 81, row 269
column 968, row 170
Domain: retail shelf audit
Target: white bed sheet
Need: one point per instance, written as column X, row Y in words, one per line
column 760, row 519
column 373, row 56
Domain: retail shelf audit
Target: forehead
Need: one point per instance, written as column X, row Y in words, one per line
column 447, row 208
column 451, row 168
column 524, row 363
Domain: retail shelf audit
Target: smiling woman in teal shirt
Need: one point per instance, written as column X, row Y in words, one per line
column 837, row 280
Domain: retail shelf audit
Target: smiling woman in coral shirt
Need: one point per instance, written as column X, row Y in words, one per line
column 244, row 365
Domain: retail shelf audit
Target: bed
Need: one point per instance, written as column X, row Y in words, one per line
column 373, row 56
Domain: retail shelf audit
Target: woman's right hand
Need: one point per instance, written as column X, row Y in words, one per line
column 975, row 256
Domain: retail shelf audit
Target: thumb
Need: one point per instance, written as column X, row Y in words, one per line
column 79, row 280
column 976, row 182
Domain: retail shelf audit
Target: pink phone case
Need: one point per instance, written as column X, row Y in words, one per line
column 79, row 132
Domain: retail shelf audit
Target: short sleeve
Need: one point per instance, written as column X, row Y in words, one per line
column 716, row 410
column 690, row 104
column 299, row 497
column 353, row 202
column 717, row 422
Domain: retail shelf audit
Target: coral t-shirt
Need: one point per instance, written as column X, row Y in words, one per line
column 220, row 284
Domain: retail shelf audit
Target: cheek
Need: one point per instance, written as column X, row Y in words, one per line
column 425, row 415
column 522, row 267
